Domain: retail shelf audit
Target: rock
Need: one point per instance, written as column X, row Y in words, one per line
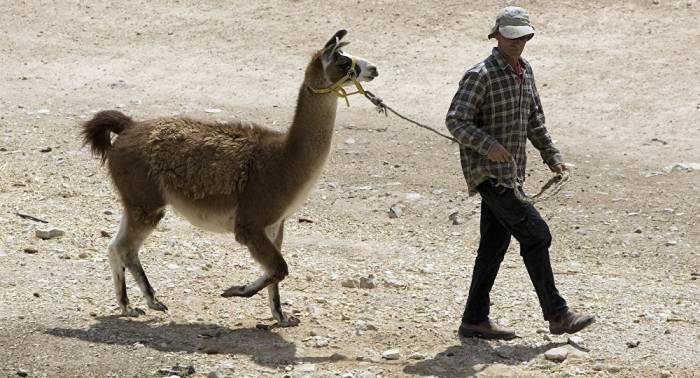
column 576, row 341
column 671, row 243
column 368, row 282
column 43, row 111
column 22, row 372
column 307, row 368
column 391, row 354
column 681, row 167
column 633, row 344
column 394, row 212
column 558, row 354
column 350, row 141
column 413, row 196
column 31, row 250
column 84, row 255
column 347, row 375
column 212, row 110
column 638, row 230
column 50, row 233
column 416, row 356
column 177, row 370
column 393, row 282
column 105, row 234
column 455, row 218
column 46, row 149
column 666, row 374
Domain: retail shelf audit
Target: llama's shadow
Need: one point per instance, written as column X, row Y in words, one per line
column 264, row 347
column 473, row 355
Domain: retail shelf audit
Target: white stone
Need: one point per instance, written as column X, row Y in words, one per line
column 212, row 110
column 556, row 354
column 50, row 233
column 392, row 354
column 576, row 341
column 307, row 368
column 413, row 196
column 350, row 141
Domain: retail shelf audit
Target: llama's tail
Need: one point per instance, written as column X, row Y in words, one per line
column 96, row 131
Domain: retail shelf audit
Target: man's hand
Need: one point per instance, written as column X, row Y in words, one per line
column 498, row 153
column 559, row 168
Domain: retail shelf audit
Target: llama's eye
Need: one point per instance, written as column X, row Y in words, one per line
column 345, row 64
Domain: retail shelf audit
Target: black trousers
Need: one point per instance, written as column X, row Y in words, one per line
column 503, row 215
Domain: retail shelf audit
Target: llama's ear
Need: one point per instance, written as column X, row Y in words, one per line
column 336, row 38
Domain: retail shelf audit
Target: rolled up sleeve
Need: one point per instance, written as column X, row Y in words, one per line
column 537, row 132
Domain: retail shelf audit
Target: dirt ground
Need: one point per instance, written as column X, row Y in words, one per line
column 618, row 82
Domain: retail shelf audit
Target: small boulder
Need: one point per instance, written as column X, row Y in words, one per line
column 391, row 354
column 49, row 233
column 558, row 354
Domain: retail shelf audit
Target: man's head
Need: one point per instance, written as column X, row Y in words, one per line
column 512, row 30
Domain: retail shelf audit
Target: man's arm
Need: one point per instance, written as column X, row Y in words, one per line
column 538, row 135
column 463, row 111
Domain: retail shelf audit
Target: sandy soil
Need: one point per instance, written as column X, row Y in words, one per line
column 619, row 87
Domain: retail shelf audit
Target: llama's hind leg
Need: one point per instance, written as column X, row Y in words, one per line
column 135, row 226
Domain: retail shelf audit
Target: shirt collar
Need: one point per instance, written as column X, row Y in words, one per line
column 502, row 63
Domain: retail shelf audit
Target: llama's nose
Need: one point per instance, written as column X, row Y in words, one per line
column 373, row 71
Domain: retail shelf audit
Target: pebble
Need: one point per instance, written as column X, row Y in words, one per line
column 105, row 234
column 212, row 110
column 394, row 212
column 393, row 282
column 31, row 250
column 576, row 341
column 391, row 354
column 43, row 111
column 671, row 243
column 350, row 141
column 83, row 255
column 307, row 368
column 50, row 233
column 22, row 372
column 633, row 344
column 455, row 218
column 416, row 356
column 46, row 149
column 413, row 196
column 556, row 354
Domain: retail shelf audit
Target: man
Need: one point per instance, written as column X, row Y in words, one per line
column 494, row 112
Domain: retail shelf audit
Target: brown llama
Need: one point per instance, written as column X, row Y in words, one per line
column 236, row 177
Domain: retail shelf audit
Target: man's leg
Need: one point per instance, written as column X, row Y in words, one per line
column 528, row 227
column 492, row 247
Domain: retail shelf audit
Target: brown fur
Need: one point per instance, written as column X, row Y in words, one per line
column 236, row 177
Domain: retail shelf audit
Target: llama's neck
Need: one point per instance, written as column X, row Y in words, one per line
column 309, row 137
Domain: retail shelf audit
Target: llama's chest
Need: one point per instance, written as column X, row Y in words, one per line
column 303, row 192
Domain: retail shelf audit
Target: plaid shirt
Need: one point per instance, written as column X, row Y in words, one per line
column 491, row 106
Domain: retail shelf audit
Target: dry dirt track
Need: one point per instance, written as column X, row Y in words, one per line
column 619, row 87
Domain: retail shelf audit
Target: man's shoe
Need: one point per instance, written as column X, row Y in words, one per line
column 569, row 322
column 485, row 330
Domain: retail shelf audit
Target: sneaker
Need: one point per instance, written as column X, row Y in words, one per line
column 485, row 330
column 569, row 322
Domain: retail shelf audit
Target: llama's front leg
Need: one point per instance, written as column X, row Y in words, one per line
column 283, row 320
column 273, row 291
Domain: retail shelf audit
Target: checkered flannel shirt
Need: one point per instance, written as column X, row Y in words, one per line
column 491, row 106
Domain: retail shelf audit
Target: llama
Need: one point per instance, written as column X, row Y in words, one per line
column 237, row 177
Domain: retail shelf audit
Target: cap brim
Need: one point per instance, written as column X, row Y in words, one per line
column 512, row 32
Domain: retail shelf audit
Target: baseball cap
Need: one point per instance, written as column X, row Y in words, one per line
column 512, row 22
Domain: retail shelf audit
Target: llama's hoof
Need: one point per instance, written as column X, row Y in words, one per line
column 157, row 305
column 132, row 312
column 290, row 321
column 237, row 291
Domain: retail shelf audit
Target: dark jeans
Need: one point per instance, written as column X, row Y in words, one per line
column 503, row 215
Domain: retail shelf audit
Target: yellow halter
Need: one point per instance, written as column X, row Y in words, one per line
column 337, row 87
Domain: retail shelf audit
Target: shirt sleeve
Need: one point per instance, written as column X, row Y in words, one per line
column 537, row 132
column 461, row 116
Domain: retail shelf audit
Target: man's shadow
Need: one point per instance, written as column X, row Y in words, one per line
column 264, row 347
column 461, row 360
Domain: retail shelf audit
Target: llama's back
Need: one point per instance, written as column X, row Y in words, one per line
column 198, row 160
